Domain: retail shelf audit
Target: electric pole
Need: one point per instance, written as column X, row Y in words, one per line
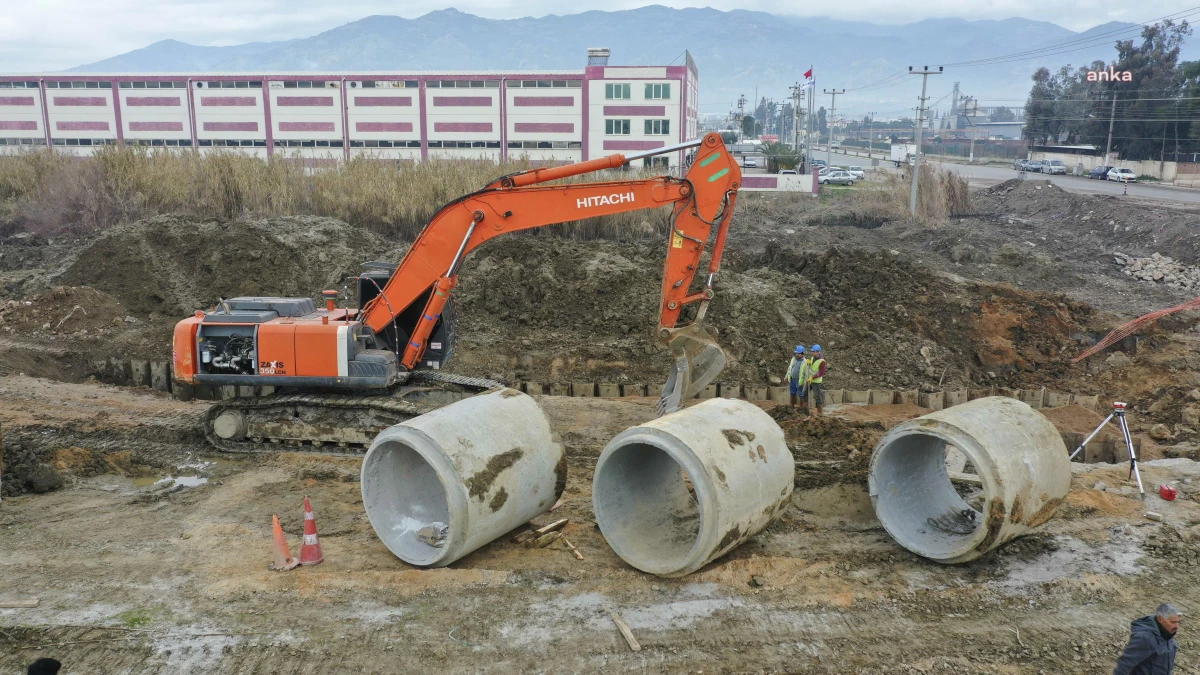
column 741, row 116
column 797, row 94
column 925, row 72
column 832, row 106
column 870, row 135
column 1112, row 116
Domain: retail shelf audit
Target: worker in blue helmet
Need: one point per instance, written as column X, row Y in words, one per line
column 816, row 378
column 797, row 378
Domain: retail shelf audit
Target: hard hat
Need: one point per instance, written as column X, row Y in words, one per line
column 799, row 349
column 816, row 348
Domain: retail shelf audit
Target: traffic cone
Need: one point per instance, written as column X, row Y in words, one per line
column 283, row 557
column 310, row 552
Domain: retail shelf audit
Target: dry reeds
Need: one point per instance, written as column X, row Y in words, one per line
column 50, row 192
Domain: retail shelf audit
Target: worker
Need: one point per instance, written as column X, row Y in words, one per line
column 797, row 376
column 816, row 378
column 1151, row 649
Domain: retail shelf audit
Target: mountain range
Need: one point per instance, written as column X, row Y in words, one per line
column 737, row 52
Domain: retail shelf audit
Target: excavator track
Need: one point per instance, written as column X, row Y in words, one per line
column 343, row 424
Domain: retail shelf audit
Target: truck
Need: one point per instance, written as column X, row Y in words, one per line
column 903, row 152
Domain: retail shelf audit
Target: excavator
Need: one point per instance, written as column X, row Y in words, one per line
column 336, row 376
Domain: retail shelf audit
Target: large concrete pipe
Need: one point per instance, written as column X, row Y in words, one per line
column 441, row 485
column 682, row 490
column 1017, row 453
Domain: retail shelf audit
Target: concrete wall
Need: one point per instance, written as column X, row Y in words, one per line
column 1164, row 171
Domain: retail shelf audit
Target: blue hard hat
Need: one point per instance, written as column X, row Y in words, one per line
column 799, row 349
column 816, row 348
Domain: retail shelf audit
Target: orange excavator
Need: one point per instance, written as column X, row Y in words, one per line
column 336, row 376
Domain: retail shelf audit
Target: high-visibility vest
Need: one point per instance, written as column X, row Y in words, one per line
column 801, row 367
column 815, row 367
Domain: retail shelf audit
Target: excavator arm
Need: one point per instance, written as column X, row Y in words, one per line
column 702, row 202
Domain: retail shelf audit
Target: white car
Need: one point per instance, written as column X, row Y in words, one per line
column 1122, row 175
column 788, row 172
column 750, row 164
column 857, row 172
column 839, row 177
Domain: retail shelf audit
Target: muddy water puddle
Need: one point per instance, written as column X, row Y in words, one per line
column 186, row 475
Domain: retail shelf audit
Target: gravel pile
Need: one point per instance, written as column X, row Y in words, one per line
column 1161, row 269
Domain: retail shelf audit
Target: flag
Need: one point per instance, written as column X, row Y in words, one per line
column 808, row 78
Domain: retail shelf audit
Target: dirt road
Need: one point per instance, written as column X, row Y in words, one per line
column 138, row 574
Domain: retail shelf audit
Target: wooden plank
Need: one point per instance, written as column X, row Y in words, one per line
column 19, row 604
column 574, row 551
column 625, row 632
column 556, row 525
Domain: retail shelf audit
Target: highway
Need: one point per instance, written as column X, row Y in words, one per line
column 978, row 175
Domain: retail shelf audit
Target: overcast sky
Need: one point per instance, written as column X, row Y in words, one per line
column 56, row 34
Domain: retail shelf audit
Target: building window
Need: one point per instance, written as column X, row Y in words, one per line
column 616, row 127
column 655, row 162
column 553, row 84
column 658, row 127
column 614, row 91
column 658, row 91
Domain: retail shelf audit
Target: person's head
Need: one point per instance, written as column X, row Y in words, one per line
column 44, row 666
column 816, row 351
column 799, row 350
column 1167, row 617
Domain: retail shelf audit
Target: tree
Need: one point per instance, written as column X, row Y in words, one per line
column 748, row 127
column 729, row 136
column 1002, row 114
column 822, row 122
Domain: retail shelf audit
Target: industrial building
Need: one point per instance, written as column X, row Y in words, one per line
column 548, row 116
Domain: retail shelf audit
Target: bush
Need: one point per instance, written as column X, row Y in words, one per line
column 48, row 192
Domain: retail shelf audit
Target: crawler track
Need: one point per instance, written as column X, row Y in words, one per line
column 331, row 423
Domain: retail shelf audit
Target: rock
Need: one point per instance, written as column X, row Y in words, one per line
column 1190, row 415
column 43, row 478
column 1194, row 395
column 775, row 379
column 1118, row 360
column 757, row 581
column 1160, row 432
column 1100, row 487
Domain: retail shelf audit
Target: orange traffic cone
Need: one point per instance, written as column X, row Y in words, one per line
column 310, row 552
column 283, row 557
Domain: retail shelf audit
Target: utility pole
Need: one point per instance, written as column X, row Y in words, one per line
column 797, row 92
column 870, row 135
column 741, row 116
column 829, row 121
column 925, row 72
column 1112, row 116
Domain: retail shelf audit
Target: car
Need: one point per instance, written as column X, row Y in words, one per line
column 1025, row 164
column 749, row 163
column 838, row 177
column 819, row 162
column 1122, row 175
column 1054, row 166
column 1100, row 172
column 788, row 172
column 857, row 172
column 1034, row 166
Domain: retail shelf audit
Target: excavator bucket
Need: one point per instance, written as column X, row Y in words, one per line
column 698, row 360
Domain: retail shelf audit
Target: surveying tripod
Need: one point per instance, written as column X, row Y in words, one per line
column 1119, row 413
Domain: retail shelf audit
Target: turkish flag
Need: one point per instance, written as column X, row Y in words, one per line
column 808, row 75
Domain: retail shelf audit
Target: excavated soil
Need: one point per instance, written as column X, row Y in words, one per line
column 152, row 556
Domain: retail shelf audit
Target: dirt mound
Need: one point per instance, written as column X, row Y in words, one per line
column 65, row 310
column 174, row 265
column 828, row 450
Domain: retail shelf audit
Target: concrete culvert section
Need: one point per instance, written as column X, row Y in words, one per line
column 1017, row 454
column 680, row 491
column 441, row 485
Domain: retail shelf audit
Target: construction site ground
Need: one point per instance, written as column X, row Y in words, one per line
column 147, row 553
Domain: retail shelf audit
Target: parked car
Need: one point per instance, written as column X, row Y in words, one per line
column 1034, row 166
column 819, row 162
column 1019, row 164
column 787, row 172
column 1122, row 175
column 1027, row 165
column 1099, row 173
column 838, row 177
column 857, row 172
column 749, row 163
column 1054, row 167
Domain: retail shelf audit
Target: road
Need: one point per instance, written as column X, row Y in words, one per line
column 987, row 175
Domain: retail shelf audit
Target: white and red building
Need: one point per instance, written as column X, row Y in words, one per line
column 550, row 117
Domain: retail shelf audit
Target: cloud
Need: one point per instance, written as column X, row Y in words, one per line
column 45, row 35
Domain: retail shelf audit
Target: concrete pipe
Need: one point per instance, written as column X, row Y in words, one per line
column 1017, row 454
column 441, row 485
column 675, row 493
